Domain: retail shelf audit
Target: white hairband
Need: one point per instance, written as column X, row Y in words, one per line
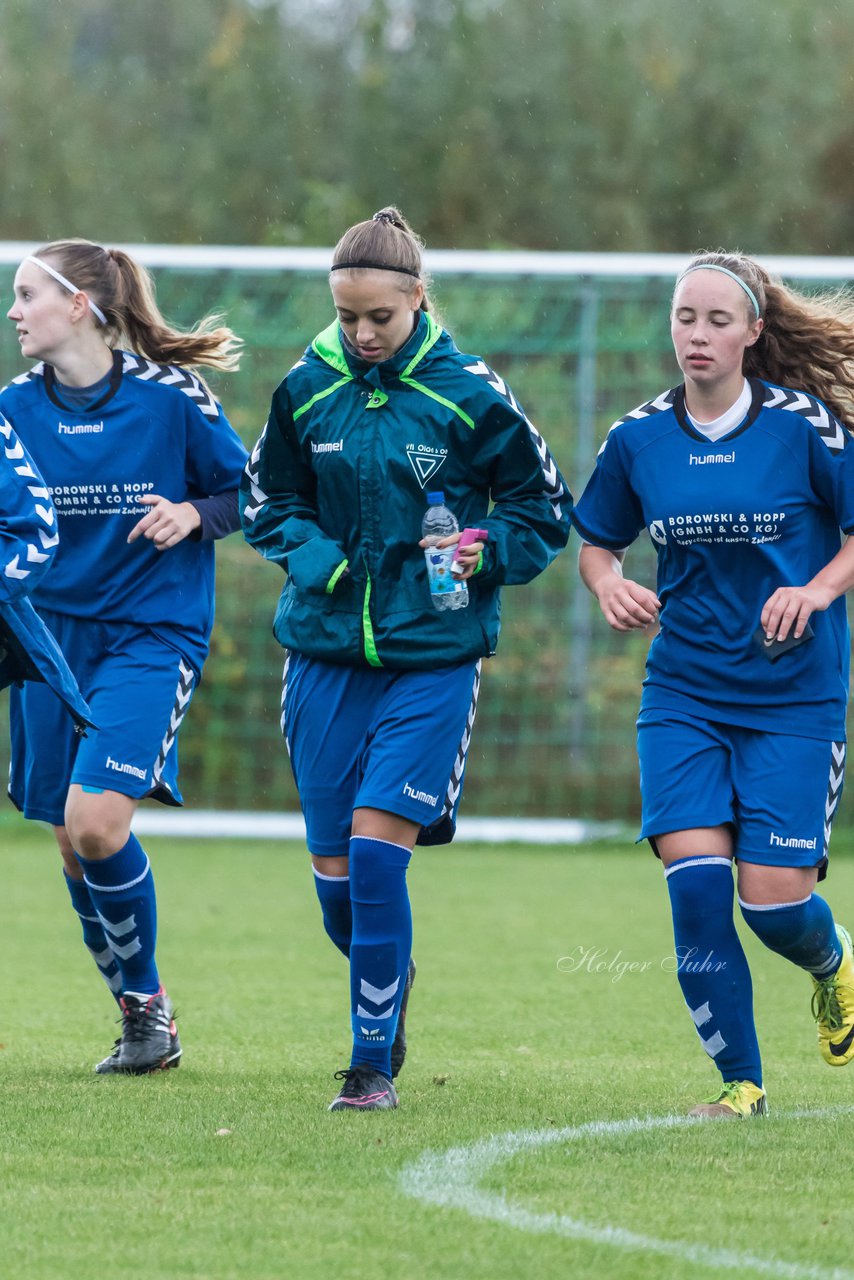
column 713, row 266
column 66, row 284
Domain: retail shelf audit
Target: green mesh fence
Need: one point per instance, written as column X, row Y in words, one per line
column 555, row 727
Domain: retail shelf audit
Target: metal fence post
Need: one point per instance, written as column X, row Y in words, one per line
column 580, row 606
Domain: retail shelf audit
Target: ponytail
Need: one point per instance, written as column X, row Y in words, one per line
column 385, row 242
column 124, row 291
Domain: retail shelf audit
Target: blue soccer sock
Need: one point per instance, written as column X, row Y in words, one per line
column 122, row 890
column 803, row 932
column 381, row 946
column 94, row 936
column 712, row 967
column 334, row 895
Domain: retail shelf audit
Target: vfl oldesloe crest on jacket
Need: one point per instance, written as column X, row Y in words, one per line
column 339, row 479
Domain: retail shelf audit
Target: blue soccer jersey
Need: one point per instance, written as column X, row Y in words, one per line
column 731, row 521
column 157, row 429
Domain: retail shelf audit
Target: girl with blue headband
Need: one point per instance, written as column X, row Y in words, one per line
column 743, row 476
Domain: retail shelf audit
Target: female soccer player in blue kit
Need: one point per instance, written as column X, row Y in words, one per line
column 743, row 477
column 143, row 469
column 380, row 687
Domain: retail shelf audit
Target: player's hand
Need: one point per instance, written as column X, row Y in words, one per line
column 466, row 559
column 167, row 523
column 626, row 605
column 789, row 609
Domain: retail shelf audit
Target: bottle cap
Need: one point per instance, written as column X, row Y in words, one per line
column 436, row 498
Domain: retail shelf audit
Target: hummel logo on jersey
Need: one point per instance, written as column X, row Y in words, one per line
column 425, row 461
column 703, row 459
column 422, row 796
column 142, row 774
column 331, row 446
column 792, row 842
column 81, row 429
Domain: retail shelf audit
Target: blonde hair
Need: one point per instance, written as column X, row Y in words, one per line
column 124, row 291
column 807, row 343
column 385, row 242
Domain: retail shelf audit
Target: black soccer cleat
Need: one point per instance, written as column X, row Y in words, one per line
column 109, row 1065
column 149, row 1040
column 398, row 1048
column 364, row 1089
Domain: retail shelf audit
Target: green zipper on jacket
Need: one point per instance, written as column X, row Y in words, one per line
column 370, row 644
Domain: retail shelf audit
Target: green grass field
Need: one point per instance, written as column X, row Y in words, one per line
column 232, row 1167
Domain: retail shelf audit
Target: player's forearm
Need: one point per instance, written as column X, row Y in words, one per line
column 597, row 565
column 837, row 577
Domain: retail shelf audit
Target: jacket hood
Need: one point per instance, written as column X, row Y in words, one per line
column 333, row 351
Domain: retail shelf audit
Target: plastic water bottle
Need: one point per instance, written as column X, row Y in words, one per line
column 446, row 591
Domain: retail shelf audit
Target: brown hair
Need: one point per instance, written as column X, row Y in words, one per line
column 388, row 243
column 124, row 291
column 807, row 343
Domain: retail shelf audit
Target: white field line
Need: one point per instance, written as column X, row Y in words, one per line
column 449, row 1179
column 201, row 823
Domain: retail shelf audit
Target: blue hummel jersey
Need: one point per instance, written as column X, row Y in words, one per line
column 156, row 430
column 731, row 521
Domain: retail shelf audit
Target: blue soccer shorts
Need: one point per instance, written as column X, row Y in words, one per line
column 779, row 793
column 365, row 737
column 138, row 687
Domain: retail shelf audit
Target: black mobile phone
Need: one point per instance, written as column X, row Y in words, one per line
column 774, row 649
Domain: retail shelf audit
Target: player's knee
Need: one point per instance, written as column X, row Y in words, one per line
column 331, row 865
column 96, row 830
column 376, row 866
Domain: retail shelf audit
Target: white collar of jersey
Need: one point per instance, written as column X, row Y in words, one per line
column 66, row 284
column 728, row 420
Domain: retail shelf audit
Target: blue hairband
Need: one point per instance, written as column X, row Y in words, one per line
column 713, row 266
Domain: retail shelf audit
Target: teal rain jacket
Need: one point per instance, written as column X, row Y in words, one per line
column 335, row 492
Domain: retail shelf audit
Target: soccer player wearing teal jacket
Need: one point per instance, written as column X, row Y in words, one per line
column 380, row 687
column 143, row 469
column 743, row 477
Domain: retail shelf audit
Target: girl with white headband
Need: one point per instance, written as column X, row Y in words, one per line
column 143, row 468
column 743, row 477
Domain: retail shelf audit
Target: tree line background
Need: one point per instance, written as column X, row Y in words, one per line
column 566, row 124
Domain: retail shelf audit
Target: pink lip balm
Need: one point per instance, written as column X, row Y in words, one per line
column 467, row 537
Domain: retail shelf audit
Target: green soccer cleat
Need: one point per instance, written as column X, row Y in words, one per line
column 833, row 1007
column 737, row 1100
